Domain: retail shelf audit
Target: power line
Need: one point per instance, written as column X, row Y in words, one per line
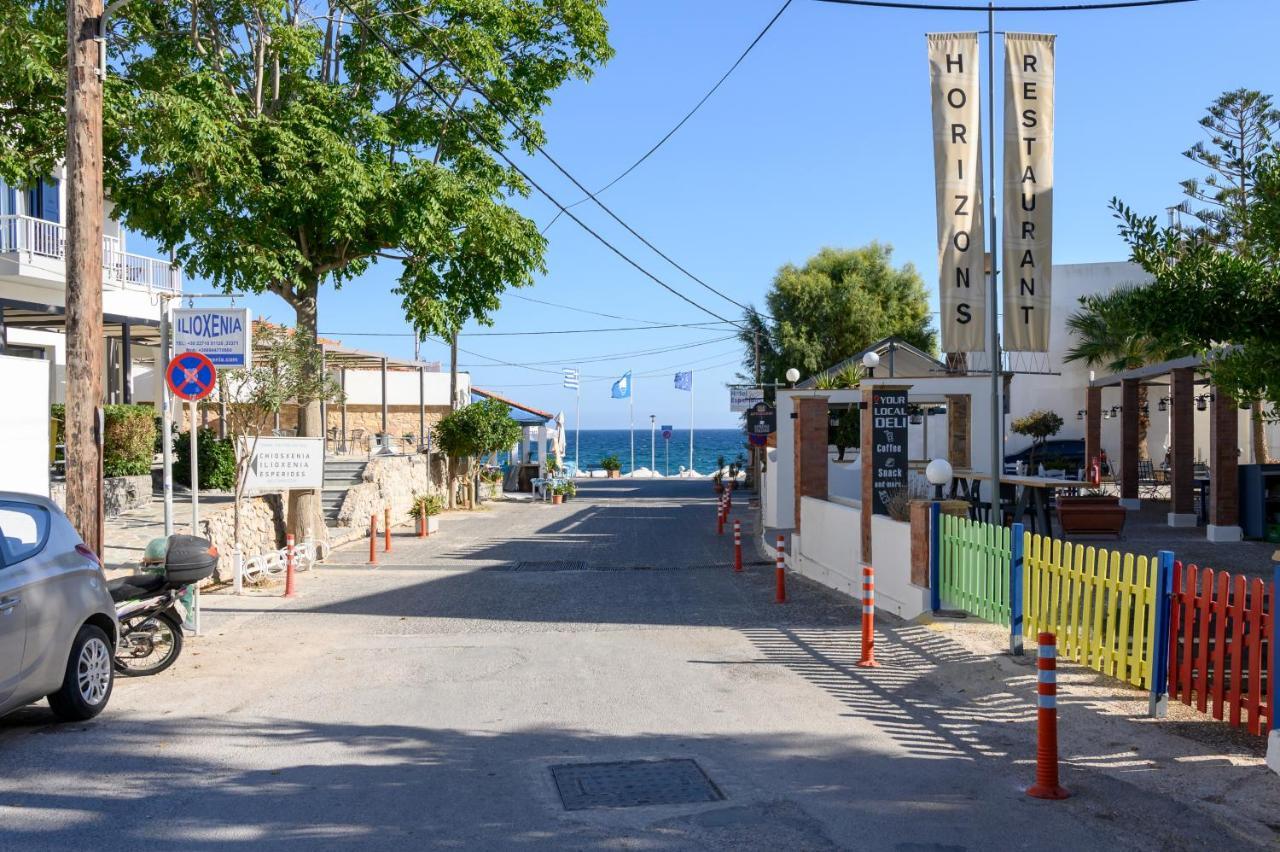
column 701, row 326
column 618, row 356
column 465, row 119
column 530, row 140
column 943, row 7
column 583, row 310
column 688, row 115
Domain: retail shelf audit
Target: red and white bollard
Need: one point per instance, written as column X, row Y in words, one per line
column 386, row 531
column 289, row 562
column 868, row 659
column 737, row 545
column 781, row 572
column 422, row 521
column 1047, row 786
column 373, row 539
column 720, row 516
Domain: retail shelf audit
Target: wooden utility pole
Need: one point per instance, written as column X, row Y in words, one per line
column 453, row 371
column 84, row 269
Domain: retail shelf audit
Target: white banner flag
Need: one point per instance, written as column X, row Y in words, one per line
column 1028, row 190
column 957, row 166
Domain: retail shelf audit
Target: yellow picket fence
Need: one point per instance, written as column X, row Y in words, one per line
column 1099, row 602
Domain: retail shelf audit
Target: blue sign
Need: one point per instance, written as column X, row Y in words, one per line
column 666, row 433
column 190, row 376
column 223, row 335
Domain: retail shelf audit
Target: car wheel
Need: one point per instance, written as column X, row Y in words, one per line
column 86, row 686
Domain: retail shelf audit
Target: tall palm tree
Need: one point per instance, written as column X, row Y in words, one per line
column 1109, row 333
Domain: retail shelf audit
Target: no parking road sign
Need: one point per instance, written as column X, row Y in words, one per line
column 191, row 376
column 666, row 433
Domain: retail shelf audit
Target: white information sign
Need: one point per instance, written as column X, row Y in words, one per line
column 223, row 335
column 742, row 397
column 281, row 464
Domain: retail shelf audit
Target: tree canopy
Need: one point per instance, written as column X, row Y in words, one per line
column 834, row 306
column 477, row 429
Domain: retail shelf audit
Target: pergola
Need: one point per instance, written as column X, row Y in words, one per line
column 1180, row 376
column 333, row 354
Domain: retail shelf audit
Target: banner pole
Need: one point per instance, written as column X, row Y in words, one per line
column 993, row 338
column 631, row 402
column 691, row 422
column 577, row 419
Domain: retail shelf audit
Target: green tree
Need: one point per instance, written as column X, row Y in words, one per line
column 473, row 431
column 274, row 147
column 1039, row 426
column 837, row 304
column 1109, row 332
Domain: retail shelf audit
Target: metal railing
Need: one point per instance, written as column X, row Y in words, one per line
column 41, row 238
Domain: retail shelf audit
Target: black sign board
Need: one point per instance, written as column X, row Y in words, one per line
column 888, row 447
column 761, row 419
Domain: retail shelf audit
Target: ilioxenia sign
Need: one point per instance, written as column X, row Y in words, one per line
column 888, row 446
column 223, row 335
column 281, row 464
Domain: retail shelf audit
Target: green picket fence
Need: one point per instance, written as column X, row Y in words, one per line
column 974, row 569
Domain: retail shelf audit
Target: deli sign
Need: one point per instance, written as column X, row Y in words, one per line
column 223, row 335
column 888, row 447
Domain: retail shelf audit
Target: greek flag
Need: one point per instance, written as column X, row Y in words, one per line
column 622, row 387
column 684, row 381
column 571, row 378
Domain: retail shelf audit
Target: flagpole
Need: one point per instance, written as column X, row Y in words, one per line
column 631, row 400
column 577, row 419
column 691, row 422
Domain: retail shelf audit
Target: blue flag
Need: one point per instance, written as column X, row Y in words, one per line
column 622, row 387
column 684, row 381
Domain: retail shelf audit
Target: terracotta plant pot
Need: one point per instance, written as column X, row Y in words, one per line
column 557, row 499
column 614, row 474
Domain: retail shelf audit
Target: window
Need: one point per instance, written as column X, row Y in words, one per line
column 42, row 200
column 24, row 530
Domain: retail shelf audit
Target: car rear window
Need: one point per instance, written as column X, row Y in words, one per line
column 24, row 529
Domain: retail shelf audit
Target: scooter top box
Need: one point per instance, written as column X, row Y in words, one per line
column 189, row 559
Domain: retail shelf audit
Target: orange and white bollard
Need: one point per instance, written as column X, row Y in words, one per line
column 373, row 539
column 868, row 659
column 737, row 545
column 781, row 572
column 386, row 529
column 720, row 516
column 1047, row 786
column 289, row 563
column 422, row 522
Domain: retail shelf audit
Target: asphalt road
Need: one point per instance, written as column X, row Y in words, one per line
column 422, row 705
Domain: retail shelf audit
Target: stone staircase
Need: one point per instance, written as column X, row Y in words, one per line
column 339, row 476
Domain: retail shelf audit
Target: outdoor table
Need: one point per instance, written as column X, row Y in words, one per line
column 1033, row 492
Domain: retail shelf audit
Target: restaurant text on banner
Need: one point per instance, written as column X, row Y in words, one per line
column 957, row 165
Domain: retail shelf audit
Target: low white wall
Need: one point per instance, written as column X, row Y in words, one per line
column 844, row 480
column 24, row 425
column 891, row 553
column 828, row 550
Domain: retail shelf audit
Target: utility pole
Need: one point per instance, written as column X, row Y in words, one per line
column 453, row 371
column 84, row 268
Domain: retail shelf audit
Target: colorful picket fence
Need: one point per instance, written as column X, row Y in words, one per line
column 1220, row 646
column 974, row 572
column 1100, row 603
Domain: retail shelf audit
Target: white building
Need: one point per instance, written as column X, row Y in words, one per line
column 33, row 293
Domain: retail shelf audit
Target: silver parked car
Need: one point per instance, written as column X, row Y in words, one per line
column 57, row 622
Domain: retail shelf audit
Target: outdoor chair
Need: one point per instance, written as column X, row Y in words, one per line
column 1148, row 485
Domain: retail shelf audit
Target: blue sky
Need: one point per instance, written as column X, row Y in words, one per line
column 821, row 137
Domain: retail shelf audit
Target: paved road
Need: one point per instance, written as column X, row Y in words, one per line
column 421, row 705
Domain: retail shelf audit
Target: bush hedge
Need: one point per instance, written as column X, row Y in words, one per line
column 129, row 440
column 217, row 460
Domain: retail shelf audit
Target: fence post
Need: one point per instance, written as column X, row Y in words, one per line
column 935, row 556
column 1158, row 701
column 1273, row 678
column 1017, row 567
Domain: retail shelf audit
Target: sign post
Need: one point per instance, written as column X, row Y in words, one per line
column 666, row 442
column 888, row 446
column 191, row 376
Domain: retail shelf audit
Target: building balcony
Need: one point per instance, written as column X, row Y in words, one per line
column 35, row 250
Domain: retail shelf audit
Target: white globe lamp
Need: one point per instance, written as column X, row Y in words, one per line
column 871, row 360
column 938, row 472
column 793, row 376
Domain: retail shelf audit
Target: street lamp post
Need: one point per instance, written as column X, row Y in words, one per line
column 653, row 448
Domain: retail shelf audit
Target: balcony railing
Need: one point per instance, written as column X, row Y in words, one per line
column 41, row 238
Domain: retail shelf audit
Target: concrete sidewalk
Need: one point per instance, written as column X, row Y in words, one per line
column 422, row 704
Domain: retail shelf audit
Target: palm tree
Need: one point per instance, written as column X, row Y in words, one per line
column 1109, row 334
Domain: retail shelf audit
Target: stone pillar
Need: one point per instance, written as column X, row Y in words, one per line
column 1182, row 447
column 810, row 447
column 1129, row 444
column 958, row 427
column 1224, row 485
column 920, row 542
column 1092, row 426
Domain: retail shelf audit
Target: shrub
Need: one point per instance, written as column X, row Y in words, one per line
column 217, row 460
column 433, row 503
column 1039, row 426
column 611, row 462
column 129, row 438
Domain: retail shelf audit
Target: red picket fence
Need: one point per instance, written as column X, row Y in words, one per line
column 1219, row 645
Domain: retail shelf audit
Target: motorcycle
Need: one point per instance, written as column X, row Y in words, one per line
column 149, row 604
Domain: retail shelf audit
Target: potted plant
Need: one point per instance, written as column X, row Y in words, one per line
column 558, row 492
column 1091, row 513
column 553, row 465
column 1039, row 426
column 430, row 504
column 717, row 481
column 612, row 465
column 570, row 489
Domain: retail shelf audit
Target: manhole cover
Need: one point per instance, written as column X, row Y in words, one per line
column 554, row 565
column 633, row 783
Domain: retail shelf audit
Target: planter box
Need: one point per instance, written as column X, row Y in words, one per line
column 1088, row 515
column 614, row 474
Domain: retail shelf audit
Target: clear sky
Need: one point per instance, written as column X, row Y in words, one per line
column 820, row 138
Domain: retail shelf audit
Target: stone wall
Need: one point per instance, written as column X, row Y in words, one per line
column 262, row 529
column 122, row 493
column 390, row 482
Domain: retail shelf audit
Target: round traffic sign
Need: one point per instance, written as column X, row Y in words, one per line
column 666, row 434
column 191, row 376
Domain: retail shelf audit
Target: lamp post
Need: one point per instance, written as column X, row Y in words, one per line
column 653, row 434
column 793, row 376
column 938, row 472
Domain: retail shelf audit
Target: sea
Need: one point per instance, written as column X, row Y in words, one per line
column 669, row 456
